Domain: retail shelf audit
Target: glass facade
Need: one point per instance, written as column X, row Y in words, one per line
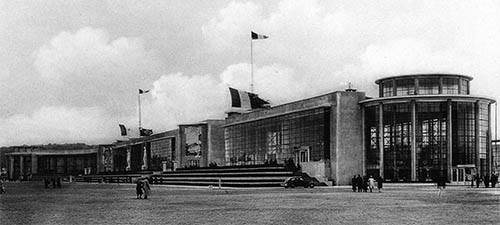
column 424, row 85
column 397, row 129
column 431, row 139
column 442, row 126
column 372, row 140
column 428, row 86
column 280, row 138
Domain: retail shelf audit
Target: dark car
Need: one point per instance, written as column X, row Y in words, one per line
column 298, row 181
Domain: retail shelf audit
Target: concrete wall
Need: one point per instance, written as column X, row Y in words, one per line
column 283, row 109
column 216, row 142
column 315, row 169
column 346, row 137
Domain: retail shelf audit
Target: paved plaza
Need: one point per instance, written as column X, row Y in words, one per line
column 78, row 203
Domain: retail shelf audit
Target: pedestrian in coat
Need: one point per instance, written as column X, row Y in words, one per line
column 380, row 183
column 354, row 183
column 139, row 188
column 494, row 180
column 359, row 183
column 486, row 181
column 365, row 183
column 371, row 183
column 146, row 188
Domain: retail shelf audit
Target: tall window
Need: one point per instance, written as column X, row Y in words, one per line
column 387, row 88
column 431, row 140
column 464, row 87
column 279, row 138
column 450, row 85
column 372, row 143
column 397, row 141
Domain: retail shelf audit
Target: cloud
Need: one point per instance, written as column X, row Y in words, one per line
column 87, row 68
column 59, row 125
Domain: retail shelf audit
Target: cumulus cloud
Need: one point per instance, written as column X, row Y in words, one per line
column 88, row 68
column 314, row 47
column 59, row 125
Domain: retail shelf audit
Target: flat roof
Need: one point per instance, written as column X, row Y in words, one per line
column 424, row 75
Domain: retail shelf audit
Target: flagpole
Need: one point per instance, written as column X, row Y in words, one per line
column 139, row 99
column 251, row 65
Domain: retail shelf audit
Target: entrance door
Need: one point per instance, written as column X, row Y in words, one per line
column 459, row 176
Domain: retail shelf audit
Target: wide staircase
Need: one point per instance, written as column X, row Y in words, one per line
column 226, row 176
column 270, row 176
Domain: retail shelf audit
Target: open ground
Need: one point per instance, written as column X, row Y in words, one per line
column 77, row 203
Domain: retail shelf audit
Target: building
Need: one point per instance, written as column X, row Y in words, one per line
column 427, row 126
column 24, row 162
column 420, row 128
column 322, row 134
column 191, row 145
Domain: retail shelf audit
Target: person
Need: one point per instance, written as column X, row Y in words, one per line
column 146, row 188
column 139, row 188
column 472, row 180
column 359, row 183
column 354, row 181
column 2, row 187
column 380, row 183
column 371, row 183
column 494, row 180
column 365, row 183
column 478, row 180
column 486, row 181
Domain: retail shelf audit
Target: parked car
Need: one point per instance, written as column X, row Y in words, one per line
column 297, row 181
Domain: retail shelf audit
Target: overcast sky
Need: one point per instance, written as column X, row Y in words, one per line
column 70, row 70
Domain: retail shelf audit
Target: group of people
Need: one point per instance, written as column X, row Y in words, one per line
column 54, row 180
column 142, row 188
column 486, row 180
column 365, row 183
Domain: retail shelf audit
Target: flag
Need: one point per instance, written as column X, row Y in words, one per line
column 123, row 129
column 145, row 132
column 247, row 100
column 143, row 92
column 258, row 36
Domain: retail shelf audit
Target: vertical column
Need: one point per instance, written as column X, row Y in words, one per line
column 381, row 138
column 34, row 164
column 363, row 141
column 459, row 86
column 129, row 164
column 489, row 152
column 144, row 157
column 477, row 139
column 417, row 86
column 449, row 137
column 11, row 167
column 440, row 85
column 413, row 141
column 21, row 166
column 394, row 89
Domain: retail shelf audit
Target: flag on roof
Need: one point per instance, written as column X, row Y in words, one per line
column 143, row 92
column 246, row 100
column 123, row 129
column 145, row 132
column 258, row 36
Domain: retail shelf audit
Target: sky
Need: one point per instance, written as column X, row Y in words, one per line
column 70, row 70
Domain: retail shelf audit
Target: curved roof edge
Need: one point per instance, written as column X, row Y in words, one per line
column 430, row 98
column 424, row 74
